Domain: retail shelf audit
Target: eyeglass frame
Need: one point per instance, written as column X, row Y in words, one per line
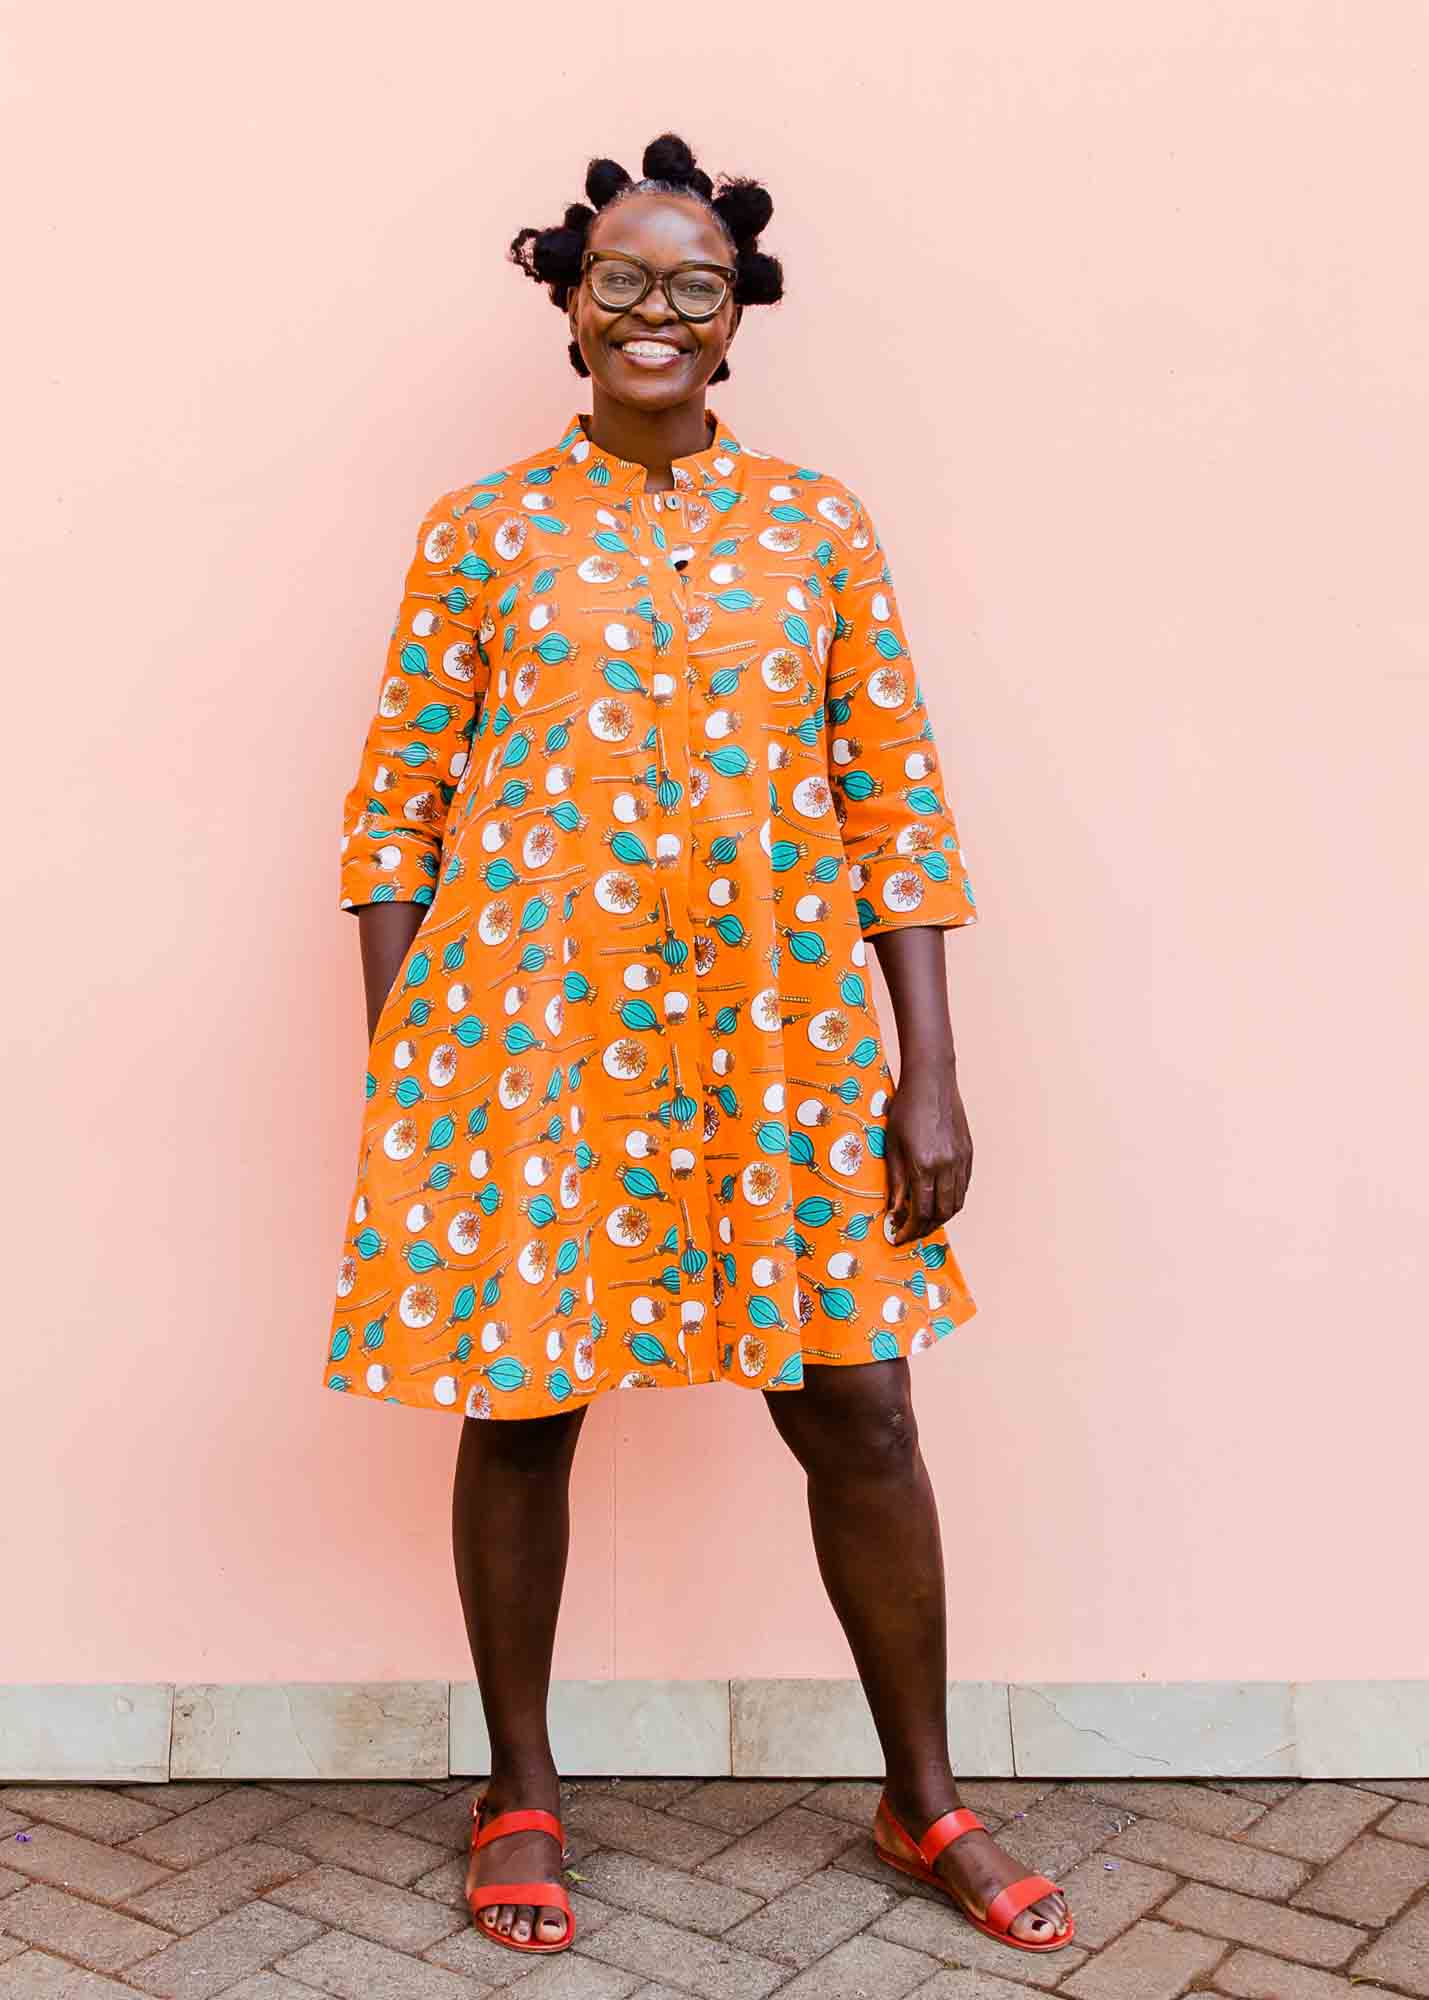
column 728, row 272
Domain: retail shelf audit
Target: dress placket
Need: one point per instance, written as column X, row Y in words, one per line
column 678, row 899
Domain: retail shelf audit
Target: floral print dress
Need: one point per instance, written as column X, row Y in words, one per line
column 657, row 765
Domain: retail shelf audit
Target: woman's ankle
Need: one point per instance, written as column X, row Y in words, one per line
column 525, row 1781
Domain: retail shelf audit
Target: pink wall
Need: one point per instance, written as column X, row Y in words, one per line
column 1151, row 394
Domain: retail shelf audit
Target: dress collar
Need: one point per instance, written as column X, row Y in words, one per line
column 710, row 467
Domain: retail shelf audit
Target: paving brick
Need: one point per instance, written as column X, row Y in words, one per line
column 445, row 1819
column 1401, row 1956
column 1058, row 1831
column 11, row 1822
column 850, row 1799
column 1196, row 1806
column 1002, row 1797
column 1369, row 1883
column 1317, row 1821
column 10, row 1948
column 775, row 1856
column 268, row 1986
column 1108, row 1898
column 963, row 1984
column 1404, row 1823
column 1229, row 1864
column 1265, row 1791
column 1250, row 1975
column 1267, row 1926
column 383, row 1801
column 637, row 1829
column 566, row 1977
column 221, row 1954
column 938, row 1930
column 382, row 1851
column 375, row 1910
column 99, row 1938
column 9, row 1882
column 97, row 1811
column 658, row 1793
column 178, row 1794
column 690, row 1901
column 244, row 1814
column 812, row 1917
column 1149, row 1962
column 740, row 1804
column 710, row 1967
column 34, row 1975
column 201, row 1895
column 356, row 1969
column 71, row 1862
column 1416, row 1790
column 863, row 1966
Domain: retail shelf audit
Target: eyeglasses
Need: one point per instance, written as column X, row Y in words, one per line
column 618, row 282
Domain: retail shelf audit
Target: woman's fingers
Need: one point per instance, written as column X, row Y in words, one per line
column 897, row 1186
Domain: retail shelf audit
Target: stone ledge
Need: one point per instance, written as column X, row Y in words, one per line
column 768, row 1728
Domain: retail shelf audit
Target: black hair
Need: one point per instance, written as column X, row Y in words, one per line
column 741, row 207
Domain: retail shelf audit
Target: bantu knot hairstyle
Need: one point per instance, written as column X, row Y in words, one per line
column 741, row 207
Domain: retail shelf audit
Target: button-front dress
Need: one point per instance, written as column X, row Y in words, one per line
column 657, row 764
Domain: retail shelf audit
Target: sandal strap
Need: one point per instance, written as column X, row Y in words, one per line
column 950, row 1826
column 534, row 1894
column 1009, row 1903
column 526, row 1819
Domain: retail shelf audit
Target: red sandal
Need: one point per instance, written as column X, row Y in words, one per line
column 895, row 1845
column 552, row 1894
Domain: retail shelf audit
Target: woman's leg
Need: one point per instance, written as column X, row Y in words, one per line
column 880, row 1555
column 510, row 1533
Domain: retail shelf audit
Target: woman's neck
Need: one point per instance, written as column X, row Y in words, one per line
column 649, row 438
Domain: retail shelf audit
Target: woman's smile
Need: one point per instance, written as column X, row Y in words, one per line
column 650, row 350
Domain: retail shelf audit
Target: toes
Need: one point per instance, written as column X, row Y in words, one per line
column 506, row 1918
column 553, row 1925
column 521, row 1929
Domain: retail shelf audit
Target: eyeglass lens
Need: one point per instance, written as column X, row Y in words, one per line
column 696, row 292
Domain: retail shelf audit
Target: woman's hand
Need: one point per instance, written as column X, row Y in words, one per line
column 928, row 1146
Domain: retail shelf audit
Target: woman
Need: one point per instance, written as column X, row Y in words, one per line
column 649, row 765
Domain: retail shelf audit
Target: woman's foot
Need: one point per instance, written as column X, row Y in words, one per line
column 975, row 1868
column 520, row 1857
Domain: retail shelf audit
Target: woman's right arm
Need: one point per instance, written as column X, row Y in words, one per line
column 385, row 931
column 417, row 745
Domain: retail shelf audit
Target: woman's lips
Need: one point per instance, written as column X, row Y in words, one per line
column 650, row 353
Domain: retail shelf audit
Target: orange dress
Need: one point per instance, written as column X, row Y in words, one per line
column 658, row 765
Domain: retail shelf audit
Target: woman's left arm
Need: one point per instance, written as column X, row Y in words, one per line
column 907, row 870
column 928, row 1147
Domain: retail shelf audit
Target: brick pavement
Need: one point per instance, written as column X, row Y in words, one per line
column 692, row 1890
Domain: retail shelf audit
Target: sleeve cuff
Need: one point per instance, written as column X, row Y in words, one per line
column 898, row 891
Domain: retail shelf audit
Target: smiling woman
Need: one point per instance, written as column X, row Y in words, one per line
column 649, row 769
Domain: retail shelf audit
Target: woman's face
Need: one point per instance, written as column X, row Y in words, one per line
column 662, row 230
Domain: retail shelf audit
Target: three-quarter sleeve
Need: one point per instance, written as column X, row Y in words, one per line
column 419, row 738
column 904, row 856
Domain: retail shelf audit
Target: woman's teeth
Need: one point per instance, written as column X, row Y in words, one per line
column 650, row 353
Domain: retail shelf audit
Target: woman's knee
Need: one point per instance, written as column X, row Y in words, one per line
column 533, row 1445
column 858, row 1421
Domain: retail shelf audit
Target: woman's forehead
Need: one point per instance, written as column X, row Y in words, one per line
column 659, row 227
